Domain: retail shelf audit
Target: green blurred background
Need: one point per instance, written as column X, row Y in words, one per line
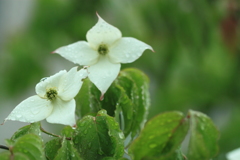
column 195, row 64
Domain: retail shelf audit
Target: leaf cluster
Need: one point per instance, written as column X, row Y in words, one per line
column 115, row 128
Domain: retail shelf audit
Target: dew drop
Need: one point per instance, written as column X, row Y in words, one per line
column 19, row 116
column 43, row 79
column 35, row 111
column 121, row 135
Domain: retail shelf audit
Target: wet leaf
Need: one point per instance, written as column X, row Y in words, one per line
column 98, row 137
column 29, row 145
column 160, row 137
column 127, row 99
column 87, row 100
column 204, row 136
column 67, row 151
column 32, row 128
column 67, row 131
column 52, row 147
column 5, row 155
column 17, row 156
column 135, row 83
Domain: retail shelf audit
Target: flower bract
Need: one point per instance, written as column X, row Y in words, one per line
column 103, row 53
column 54, row 100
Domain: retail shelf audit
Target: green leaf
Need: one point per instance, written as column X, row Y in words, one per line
column 32, row 128
column 204, row 137
column 67, row 151
column 98, row 137
column 52, row 147
column 119, row 104
column 67, row 131
column 87, row 100
column 26, row 143
column 127, row 99
column 109, row 158
column 177, row 155
column 30, row 145
column 135, row 84
column 17, row 156
column 62, row 147
column 5, row 155
column 160, row 137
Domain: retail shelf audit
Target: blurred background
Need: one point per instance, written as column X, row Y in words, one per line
column 196, row 64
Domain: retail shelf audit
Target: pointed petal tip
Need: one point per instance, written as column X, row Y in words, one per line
column 102, row 97
column 97, row 14
column 99, row 17
column 152, row 50
column 53, row 52
column 150, row 47
column 3, row 122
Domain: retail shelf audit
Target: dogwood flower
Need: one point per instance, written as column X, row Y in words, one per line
column 103, row 53
column 54, row 100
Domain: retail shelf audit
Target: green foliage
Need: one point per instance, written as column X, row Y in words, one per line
column 192, row 67
column 52, row 147
column 127, row 100
column 28, row 147
column 101, row 135
column 204, row 137
column 98, row 137
column 32, row 128
column 160, row 137
column 67, row 151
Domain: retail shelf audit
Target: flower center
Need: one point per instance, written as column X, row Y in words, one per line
column 103, row 49
column 51, row 94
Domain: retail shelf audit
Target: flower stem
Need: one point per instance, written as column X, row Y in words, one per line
column 51, row 134
column 4, row 147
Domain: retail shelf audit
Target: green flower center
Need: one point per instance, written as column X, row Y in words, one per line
column 103, row 49
column 51, row 94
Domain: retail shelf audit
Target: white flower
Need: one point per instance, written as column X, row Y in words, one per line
column 234, row 155
column 54, row 100
column 103, row 53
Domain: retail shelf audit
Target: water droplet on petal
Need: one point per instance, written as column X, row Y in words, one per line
column 35, row 111
column 43, row 79
column 19, row 116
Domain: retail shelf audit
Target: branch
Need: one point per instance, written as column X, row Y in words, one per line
column 4, row 147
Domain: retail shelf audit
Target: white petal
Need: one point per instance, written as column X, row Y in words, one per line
column 49, row 82
column 63, row 112
column 103, row 73
column 103, row 33
column 234, row 155
column 127, row 50
column 79, row 53
column 71, row 83
column 32, row 109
